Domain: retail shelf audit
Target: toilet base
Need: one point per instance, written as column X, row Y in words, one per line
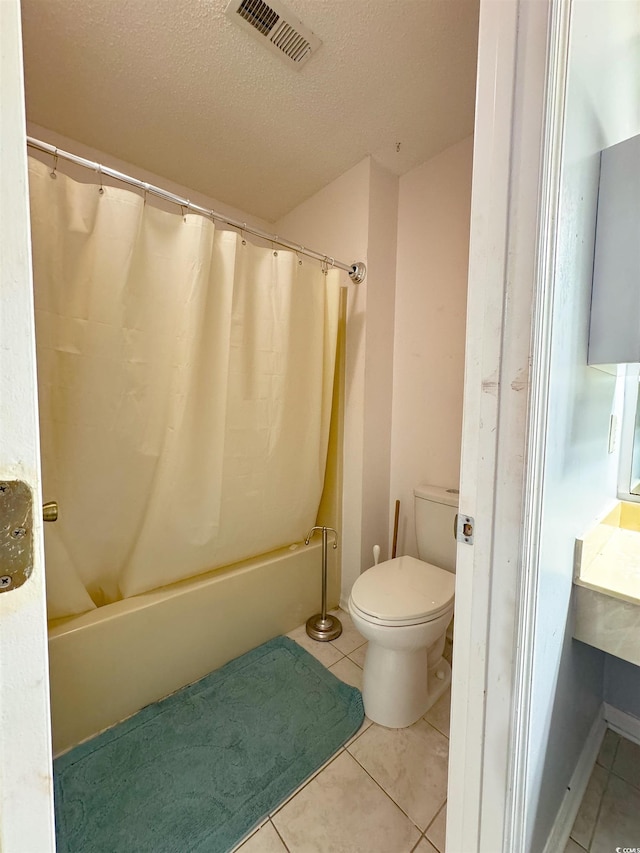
column 409, row 686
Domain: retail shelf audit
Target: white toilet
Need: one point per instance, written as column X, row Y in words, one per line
column 403, row 607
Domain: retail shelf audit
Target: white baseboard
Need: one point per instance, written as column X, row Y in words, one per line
column 623, row 723
column 559, row 835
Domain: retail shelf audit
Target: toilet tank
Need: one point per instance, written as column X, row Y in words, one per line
column 435, row 509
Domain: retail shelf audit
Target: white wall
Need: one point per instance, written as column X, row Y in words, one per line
column 579, row 474
column 353, row 219
column 431, row 299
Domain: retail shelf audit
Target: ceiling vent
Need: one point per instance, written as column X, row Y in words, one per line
column 274, row 25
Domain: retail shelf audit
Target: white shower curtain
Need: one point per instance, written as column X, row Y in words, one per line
column 185, row 381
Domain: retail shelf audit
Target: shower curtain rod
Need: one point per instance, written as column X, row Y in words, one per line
column 357, row 271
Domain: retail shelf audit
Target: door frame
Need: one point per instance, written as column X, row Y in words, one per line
column 26, row 784
column 522, row 53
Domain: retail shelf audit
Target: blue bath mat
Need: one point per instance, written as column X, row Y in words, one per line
column 196, row 771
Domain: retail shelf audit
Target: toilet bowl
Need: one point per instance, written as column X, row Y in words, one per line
column 403, row 608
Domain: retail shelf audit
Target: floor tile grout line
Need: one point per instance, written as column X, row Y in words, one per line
column 357, row 736
column 435, row 817
column 346, row 654
column 284, row 843
column 615, row 749
column 346, row 748
column 350, row 660
column 599, row 809
column 386, row 793
column 240, row 844
column 610, row 773
column 428, row 840
column 423, row 837
column 613, row 761
column 626, row 781
column 417, row 844
column 428, row 722
column 307, row 782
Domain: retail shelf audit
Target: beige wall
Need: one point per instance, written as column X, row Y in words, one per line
column 381, row 297
column 405, row 336
column 79, row 173
column 354, row 218
column 430, row 305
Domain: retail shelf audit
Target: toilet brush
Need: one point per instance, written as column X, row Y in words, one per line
column 323, row 626
column 394, row 547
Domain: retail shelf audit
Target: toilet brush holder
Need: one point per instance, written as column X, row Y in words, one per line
column 323, row 627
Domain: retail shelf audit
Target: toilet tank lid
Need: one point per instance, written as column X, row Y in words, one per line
column 438, row 494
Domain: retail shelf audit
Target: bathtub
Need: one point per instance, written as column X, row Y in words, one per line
column 109, row 663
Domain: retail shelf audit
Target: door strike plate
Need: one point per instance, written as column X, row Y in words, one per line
column 464, row 528
column 16, row 534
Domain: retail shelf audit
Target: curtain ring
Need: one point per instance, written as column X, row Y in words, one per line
column 325, row 265
column 275, row 254
column 300, row 249
column 146, row 193
column 244, row 225
column 52, row 173
column 100, row 188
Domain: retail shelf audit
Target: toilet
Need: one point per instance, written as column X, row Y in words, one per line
column 403, row 608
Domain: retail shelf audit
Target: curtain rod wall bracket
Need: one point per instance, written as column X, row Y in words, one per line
column 358, row 272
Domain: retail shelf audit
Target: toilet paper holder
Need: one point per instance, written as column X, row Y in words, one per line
column 323, row 627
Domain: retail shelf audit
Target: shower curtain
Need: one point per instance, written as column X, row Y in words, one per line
column 185, row 381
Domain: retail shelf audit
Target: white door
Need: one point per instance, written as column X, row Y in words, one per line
column 26, row 790
column 522, row 44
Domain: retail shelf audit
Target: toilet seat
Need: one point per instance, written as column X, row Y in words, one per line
column 403, row 591
column 396, row 623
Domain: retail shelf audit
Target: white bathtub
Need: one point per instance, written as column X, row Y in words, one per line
column 109, row 663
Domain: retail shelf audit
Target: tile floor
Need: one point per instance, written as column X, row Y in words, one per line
column 384, row 792
column 609, row 815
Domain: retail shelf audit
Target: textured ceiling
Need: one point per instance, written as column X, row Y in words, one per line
column 176, row 88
